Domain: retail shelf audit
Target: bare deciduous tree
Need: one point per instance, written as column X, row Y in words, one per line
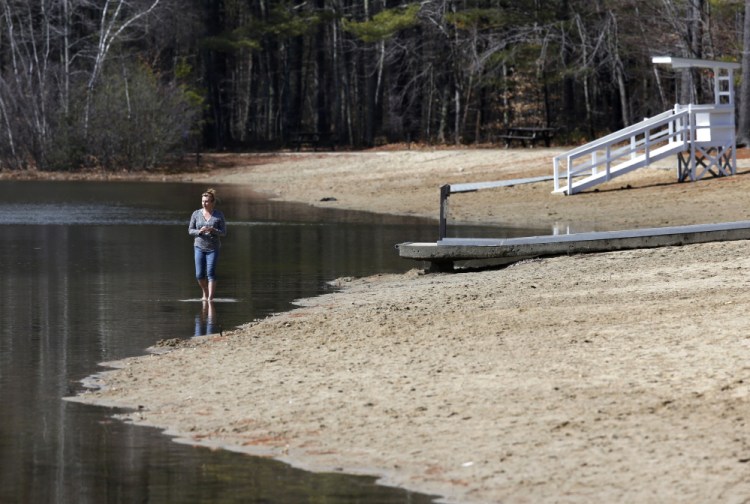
column 52, row 56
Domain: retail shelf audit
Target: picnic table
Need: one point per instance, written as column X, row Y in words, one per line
column 313, row 139
column 530, row 134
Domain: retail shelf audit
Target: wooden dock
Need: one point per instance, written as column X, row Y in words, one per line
column 443, row 253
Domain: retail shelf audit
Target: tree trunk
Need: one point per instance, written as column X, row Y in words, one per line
column 322, row 124
column 743, row 130
column 67, row 27
column 457, row 119
column 111, row 28
column 619, row 72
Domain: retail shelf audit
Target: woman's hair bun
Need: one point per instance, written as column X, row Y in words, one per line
column 212, row 192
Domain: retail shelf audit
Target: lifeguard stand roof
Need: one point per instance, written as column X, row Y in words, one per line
column 723, row 74
column 694, row 63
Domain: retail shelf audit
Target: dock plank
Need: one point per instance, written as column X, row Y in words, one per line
column 455, row 249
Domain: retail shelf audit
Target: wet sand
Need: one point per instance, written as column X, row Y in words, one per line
column 604, row 377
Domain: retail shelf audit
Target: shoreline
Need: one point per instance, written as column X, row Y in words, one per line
column 614, row 376
column 407, row 183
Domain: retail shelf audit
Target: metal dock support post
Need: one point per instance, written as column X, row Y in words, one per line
column 445, row 192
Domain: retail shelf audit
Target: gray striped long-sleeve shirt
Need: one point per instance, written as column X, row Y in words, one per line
column 207, row 241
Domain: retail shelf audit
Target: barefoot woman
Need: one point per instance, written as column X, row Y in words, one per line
column 207, row 225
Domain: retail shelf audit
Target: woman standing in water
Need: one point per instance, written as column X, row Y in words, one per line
column 207, row 226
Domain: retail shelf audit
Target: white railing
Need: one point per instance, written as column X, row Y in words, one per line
column 636, row 143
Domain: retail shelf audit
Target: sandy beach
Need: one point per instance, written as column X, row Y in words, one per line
column 613, row 377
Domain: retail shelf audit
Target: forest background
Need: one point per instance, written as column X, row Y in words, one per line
column 132, row 84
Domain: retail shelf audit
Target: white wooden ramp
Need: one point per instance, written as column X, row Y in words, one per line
column 444, row 252
column 633, row 163
column 621, row 152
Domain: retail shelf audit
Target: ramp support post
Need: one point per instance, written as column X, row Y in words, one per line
column 445, row 192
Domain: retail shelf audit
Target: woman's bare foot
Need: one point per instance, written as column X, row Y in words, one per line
column 204, row 287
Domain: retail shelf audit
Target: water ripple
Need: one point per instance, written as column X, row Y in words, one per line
column 84, row 213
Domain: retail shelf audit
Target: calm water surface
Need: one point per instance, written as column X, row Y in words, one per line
column 92, row 272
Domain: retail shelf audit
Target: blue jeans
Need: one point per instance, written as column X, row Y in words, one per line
column 205, row 264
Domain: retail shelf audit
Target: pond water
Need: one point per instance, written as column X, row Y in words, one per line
column 92, row 272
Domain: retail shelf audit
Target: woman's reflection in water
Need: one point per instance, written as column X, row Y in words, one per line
column 205, row 321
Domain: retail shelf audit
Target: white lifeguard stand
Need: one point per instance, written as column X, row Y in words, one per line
column 701, row 135
column 711, row 127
